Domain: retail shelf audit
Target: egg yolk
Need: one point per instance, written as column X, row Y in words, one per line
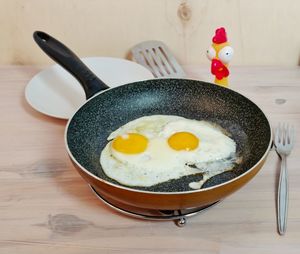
column 131, row 143
column 183, row 141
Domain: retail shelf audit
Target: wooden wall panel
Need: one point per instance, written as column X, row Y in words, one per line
column 262, row 32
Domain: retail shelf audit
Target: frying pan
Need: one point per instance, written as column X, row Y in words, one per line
column 106, row 109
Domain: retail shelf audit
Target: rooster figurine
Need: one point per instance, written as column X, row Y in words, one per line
column 220, row 54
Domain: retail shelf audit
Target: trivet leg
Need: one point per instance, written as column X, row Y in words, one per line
column 181, row 222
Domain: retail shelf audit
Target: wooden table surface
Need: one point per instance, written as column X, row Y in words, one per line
column 46, row 207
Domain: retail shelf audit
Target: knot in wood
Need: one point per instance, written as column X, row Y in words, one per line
column 184, row 11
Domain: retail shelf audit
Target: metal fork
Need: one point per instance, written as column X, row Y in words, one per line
column 284, row 142
column 156, row 57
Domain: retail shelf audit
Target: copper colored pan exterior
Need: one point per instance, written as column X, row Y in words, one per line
column 170, row 201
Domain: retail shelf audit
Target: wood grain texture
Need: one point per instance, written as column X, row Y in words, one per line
column 261, row 32
column 45, row 207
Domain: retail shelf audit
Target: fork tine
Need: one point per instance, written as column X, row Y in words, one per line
column 284, row 133
column 279, row 133
column 287, row 134
column 292, row 135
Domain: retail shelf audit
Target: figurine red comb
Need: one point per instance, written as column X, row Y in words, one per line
column 220, row 36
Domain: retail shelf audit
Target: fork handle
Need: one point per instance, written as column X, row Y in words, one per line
column 283, row 197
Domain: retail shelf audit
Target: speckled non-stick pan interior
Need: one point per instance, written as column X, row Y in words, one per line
column 89, row 128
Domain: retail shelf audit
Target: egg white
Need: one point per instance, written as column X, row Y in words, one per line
column 159, row 162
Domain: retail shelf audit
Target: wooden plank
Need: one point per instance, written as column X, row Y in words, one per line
column 111, row 28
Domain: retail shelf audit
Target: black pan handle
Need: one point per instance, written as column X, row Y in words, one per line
column 68, row 60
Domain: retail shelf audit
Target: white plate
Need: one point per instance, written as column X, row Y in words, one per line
column 57, row 93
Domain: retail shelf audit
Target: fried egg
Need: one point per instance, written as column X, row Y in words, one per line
column 158, row 148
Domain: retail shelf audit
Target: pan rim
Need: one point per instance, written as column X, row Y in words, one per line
column 157, row 192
